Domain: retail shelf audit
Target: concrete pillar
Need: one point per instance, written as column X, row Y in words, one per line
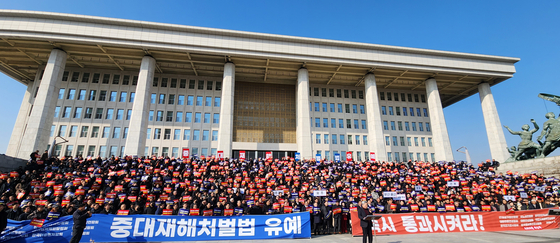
column 36, row 134
column 21, row 121
column 442, row 145
column 136, row 140
column 494, row 130
column 225, row 134
column 375, row 127
column 303, row 124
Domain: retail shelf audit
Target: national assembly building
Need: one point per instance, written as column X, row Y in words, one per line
column 114, row 87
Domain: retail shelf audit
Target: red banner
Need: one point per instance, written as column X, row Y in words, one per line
column 417, row 223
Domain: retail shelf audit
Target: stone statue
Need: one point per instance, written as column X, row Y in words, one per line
column 526, row 148
column 551, row 130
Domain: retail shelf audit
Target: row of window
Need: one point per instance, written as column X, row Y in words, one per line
column 198, row 117
column 357, row 124
column 403, row 97
column 96, row 77
column 93, row 95
column 184, row 135
column 407, row 126
column 408, row 141
column 116, row 79
column 331, row 108
column 200, row 100
column 356, row 155
column 106, row 132
column 404, row 111
column 114, row 151
column 339, row 92
column 397, row 157
column 333, row 139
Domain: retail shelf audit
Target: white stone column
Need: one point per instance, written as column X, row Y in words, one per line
column 37, row 131
column 442, row 145
column 494, row 130
column 136, row 140
column 225, row 134
column 21, row 121
column 303, row 124
column 375, row 127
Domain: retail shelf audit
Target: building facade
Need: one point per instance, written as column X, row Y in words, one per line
column 118, row 87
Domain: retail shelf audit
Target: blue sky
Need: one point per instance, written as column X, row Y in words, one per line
column 529, row 30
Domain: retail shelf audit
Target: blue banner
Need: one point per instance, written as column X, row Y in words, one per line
column 147, row 228
column 297, row 156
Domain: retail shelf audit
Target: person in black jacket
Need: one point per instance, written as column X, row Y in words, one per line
column 80, row 218
column 40, row 213
column 366, row 225
column 3, row 217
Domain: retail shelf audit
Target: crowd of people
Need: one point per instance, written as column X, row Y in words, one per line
column 48, row 188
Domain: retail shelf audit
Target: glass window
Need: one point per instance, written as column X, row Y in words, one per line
column 324, row 105
column 214, row 135
column 406, row 126
column 326, row 138
column 129, row 114
column 71, row 94
column 94, row 132
column 151, row 116
column 113, row 96
column 402, row 141
column 357, row 139
column 85, row 78
column 82, row 94
column 398, row 110
column 340, row 123
column 95, row 78
column 183, row 84
column 411, row 111
column 364, row 124
column 392, row 125
column 177, row 134
column 396, row 96
column 349, row 139
column 201, row 84
column 430, row 142
column 161, row 99
column 334, row 139
column 126, row 79
column 56, row 111
column 396, row 153
column 209, row 85
column 148, row 133
column 208, row 101
column 218, row 85
column 216, row 118
column 206, row 117
column 408, row 141
column 169, row 116
column 188, row 116
column 159, row 116
column 92, row 94
column 365, row 142
column 355, row 109
column 199, row 101
column 333, row 123
column 390, row 110
column 324, row 92
column 356, row 125
column 428, row 129
column 416, row 98
column 120, row 114
column 66, row 112
column 171, row 99
column 416, row 141
column 332, row 107
column 348, row 123
column 315, row 91
column 353, row 92
column 317, row 122
column 191, row 84
column 421, row 126
column 404, row 111
column 387, row 141
column 186, row 134
column 418, row 112
column 217, row 101
column 190, row 100
column 383, row 110
column 317, row 138
column 347, row 108
column 423, row 141
column 399, row 124
column 425, row 112
column 331, row 93
column 164, row 82
column 179, row 116
column 361, row 94
column 395, row 142
column 339, row 106
column 102, row 95
column 116, row 132
column 167, row 134
column 181, row 100
column 155, row 151
column 316, row 106
column 196, row 135
column 174, row 150
column 84, row 132
column 91, row 150
column 382, row 95
column 362, row 109
column 338, row 93
column 125, row 133
column 205, row 134
column 109, row 114
column 153, row 99
column 423, row 98
column 385, row 125
column 89, row 111
column 325, row 122
column 155, row 82
column 346, row 94
column 77, row 112
column 197, row 117
column 414, row 126
column 132, row 95
column 73, row 131
column 69, row 149
column 157, row 133
column 389, row 96
column 105, row 133
column 116, row 78
column 122, row 98
column 342, row 139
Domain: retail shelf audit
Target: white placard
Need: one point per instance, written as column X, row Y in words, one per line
column 523, row 195
column 452, row 184
column 540, row 188
column 389, row 194
column 401, row 197
column 319, row 193
column 418, row 188
column 278, row 192
column 509, row 198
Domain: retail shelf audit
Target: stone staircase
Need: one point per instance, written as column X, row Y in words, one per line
column 8, row 163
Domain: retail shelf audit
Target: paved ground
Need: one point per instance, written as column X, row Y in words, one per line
column 541, row 236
